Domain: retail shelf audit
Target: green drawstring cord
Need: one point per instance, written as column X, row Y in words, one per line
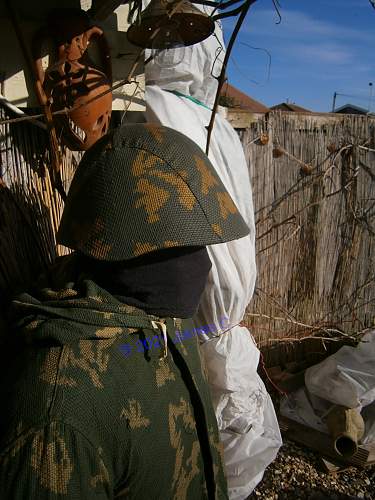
column 193, row 99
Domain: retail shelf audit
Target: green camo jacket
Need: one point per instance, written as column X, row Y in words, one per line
column 90, row 411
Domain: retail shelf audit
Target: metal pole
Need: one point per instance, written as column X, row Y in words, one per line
column 334, row 102
column 245, row 7
column 370, row 98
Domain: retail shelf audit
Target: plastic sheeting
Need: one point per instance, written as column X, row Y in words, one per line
column 368, row 415
column 346, row 378
column 311, row 411
column 305, row 409
column 246, row 417
column 245, row 414
column 196, row 73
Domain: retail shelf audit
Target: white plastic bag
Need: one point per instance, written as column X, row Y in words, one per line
column 246, row 418
column 346, row 378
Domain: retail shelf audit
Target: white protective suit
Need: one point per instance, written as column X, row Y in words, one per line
column 244, row 410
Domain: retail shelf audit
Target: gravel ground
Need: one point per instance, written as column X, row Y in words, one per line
column 296, row 474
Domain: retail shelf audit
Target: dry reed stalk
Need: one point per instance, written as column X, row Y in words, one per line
column 315, row 244
column 30, row 209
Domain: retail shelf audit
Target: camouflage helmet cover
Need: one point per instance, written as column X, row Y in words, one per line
column 142, row 188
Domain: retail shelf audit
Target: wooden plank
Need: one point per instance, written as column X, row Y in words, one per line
column 320, row 442
column 331, row 468
column 371, row 449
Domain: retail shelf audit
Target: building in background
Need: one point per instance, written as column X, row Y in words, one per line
column 17, row 84
column 290, row 107
column 351, row 109
column 239, row 108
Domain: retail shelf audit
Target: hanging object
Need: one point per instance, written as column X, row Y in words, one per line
column 169, row 57
column 306, row 168
column 170, row 24
column 74, row 81
column 277, row 152
column 332, row 147
column 264, row 138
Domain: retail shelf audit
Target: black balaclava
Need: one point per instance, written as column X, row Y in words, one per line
column 165, row 283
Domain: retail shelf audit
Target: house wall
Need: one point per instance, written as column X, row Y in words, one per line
column 16, row 81
column 30, row 206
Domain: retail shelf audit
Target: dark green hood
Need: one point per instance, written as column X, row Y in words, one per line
column 79, row 311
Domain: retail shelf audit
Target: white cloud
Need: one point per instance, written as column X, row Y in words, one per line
column 330, row 53
column 298, row 25
column 313, row 54
column 303, row 38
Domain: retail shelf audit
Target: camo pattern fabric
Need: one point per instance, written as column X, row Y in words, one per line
column 91, row 410
column 145, row 187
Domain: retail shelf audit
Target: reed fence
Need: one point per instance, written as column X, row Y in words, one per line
column 30, row 209
column 313, row 179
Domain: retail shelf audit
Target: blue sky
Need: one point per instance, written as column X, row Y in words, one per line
column 320, row 47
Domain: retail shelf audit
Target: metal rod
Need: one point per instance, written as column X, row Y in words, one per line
column 218, row 5
column 233, row 37
column 370, row 98
column 229, row 13
column 54, row 145
column 334, row 102
column 19, row 112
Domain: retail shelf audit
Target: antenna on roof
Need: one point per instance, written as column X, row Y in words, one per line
column 334, row 102
column 370, row 98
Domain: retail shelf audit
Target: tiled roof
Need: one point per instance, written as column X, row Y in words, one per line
column 287, row 106
column 242, row 100
column 351, row 109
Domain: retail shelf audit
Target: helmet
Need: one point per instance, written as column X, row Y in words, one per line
column 145, row 187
